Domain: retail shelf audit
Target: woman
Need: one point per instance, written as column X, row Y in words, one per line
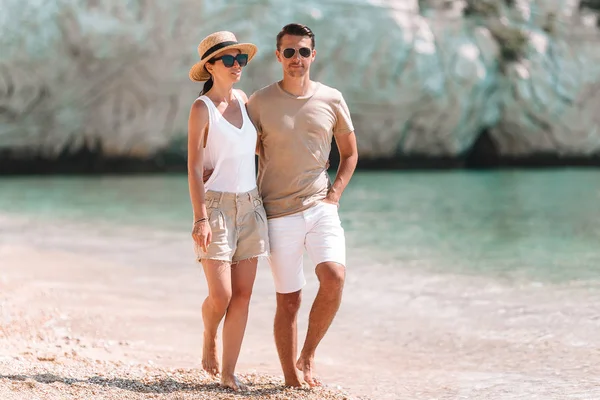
column 230, row 224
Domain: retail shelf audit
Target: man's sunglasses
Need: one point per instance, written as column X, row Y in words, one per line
column 304, row 52
column 229, row 60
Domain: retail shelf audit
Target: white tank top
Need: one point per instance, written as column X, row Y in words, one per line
column 230, row 151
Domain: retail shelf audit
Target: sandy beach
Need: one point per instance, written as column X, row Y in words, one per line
column 78, row 326
column 94, row 311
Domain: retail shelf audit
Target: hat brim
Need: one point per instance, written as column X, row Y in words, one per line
column 199, row 74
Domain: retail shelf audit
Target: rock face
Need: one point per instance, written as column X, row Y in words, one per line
column 423, row 78
column 551, row 97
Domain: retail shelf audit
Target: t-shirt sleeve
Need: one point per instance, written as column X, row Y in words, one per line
column 343, row 122
column 253, row 111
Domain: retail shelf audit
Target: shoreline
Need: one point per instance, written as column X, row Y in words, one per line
column 129, row 298
column 73, row 328
column 94, row 162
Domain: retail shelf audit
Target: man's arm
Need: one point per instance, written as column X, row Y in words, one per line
column 252, row 108
column 348, row 159
column 346, row 142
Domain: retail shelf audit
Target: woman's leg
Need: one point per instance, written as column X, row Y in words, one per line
column 243, row 274
column 218, row 276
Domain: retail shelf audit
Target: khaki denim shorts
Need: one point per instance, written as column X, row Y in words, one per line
column 239, row 227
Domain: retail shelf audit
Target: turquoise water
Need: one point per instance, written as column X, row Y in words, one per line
column 541, row 225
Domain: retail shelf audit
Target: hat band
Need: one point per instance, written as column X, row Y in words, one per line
column 216, row 47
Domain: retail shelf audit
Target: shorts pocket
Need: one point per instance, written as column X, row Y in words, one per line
column 260, row 219
column 261, row 229
column 216, row 219
column 262, row 224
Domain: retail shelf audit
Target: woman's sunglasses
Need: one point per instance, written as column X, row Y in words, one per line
column 304, row 52
column 228, row 60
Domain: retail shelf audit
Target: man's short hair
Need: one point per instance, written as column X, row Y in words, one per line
column 296, row 30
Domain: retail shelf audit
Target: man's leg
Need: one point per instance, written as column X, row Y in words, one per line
column 331, row 282
column 326, row 246
column 286, row 240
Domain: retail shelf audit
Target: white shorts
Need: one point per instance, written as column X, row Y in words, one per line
column 317, row 229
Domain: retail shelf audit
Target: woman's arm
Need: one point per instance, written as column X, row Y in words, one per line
column 197, row 129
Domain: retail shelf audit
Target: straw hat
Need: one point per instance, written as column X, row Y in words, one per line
column 213, row 45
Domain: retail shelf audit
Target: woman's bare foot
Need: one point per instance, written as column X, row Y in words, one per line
column 306, row 365
column 210, row 359
column 295, row 382
column 233, row 383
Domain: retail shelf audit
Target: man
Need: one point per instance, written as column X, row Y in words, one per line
column 296, row 119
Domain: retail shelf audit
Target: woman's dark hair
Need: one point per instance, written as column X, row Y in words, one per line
column 296, row 30
column 209, row 83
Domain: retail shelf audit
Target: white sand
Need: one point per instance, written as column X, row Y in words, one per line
column 128, row 300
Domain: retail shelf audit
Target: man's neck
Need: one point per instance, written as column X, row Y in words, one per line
column 297, row 86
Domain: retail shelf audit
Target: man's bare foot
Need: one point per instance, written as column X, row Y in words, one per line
column 210, row 359
column 306, row 365
column 233, row 383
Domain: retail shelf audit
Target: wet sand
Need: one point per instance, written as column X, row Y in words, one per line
column 79, row 301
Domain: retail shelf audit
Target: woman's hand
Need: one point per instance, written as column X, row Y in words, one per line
column 202, row 234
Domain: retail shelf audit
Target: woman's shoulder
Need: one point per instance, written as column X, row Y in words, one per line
column 199, row 109
column 199, row 105
column 242, row 95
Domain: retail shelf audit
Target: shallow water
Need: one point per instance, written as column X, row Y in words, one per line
column 460, row 285
column 541, row 225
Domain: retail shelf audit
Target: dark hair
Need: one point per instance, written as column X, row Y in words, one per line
column 209, row 83
column 296, row 30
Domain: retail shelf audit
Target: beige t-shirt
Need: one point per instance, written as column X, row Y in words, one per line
column 295, row 135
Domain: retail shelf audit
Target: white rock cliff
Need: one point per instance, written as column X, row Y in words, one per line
column 429, row 81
